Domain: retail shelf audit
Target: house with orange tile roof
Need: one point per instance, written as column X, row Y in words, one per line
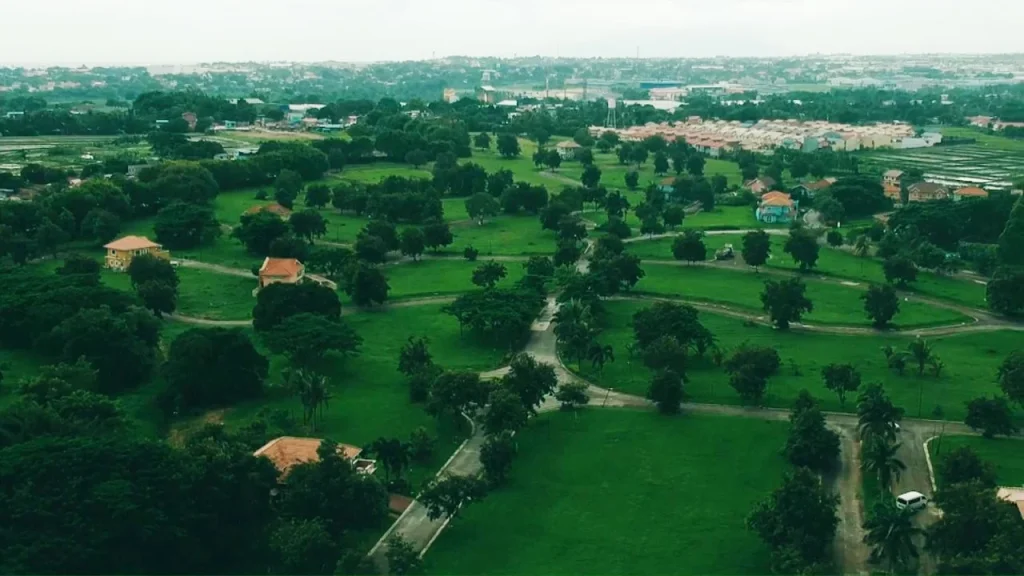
column 121, row 251
column 969, row 192
column 288, row 452
column 281, row 271
column 274, row 208
column 927, row 192
column 776, row 208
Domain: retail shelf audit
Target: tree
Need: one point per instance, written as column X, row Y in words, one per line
column 803, row 247
column 834, row 238
column 660, row 163
column 402, row 558
column 695, row 165
column 921, row 351
column 591, row 176
column 990, row 415
column 785, row 301
column 841, row 379
column 277, row 302
column 148, row 268
column 303, row 546
column 305, row 339
column 212, row 367
column 483, row 141
column 496, row 455
column 101, row 225
column 437, row 234
column 1012, row 238
column 666, row 391
column 862, row 247
column 308, row 224
column 159, row 297
column 181, row 226
column 393, row 454
column 367, row 285
column 455, row 393
column 416, row 157
column 798, row 523
column 470, row 253
column 673, row 216
column 312, row 390
column 1011, row 377
column 881, row 304
column 75, row 264
column 531, row 381
column 757, row 245
column 977, row 532
column 371, row 249
column 879, row 460
column 258, row 231
column 444, row 497
column 876, row 415
column 890, row 532
column 414, row 356
column 384, row 230
column 508, row 145
column 810, row 442
column 690, row 247
column 412, row 242
column 572, row 394
column 287, row 186
column 481, row 206
column 964, row 465
column 488, row 274
column 632, row 179
column 318, row 196
column 1005, row 291
column 504, row 414
column 899, row 270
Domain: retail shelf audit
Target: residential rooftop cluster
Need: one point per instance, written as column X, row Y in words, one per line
column 713, row 136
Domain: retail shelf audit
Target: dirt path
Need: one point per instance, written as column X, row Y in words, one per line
column 849, row 548
column 219, row 269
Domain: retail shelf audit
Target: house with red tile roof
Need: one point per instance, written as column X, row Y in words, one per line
column 969, row 192
column 281, row 271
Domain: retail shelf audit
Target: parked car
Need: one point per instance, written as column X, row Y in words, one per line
column 725, row 253
column 911, row 500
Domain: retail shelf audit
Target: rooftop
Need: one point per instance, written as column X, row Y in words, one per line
column 287, row 452
column 131, row 243
column 1013, row 495
column 972, row 191
column 272, row 208
column 285, row 267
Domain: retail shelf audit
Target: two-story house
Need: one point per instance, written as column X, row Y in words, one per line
column 121, row 251
column 776, row 208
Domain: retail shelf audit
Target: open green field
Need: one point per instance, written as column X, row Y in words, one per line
column 505, row 235
column 984, row 139
column 831, row 262
column 722, row 218
column 971, row 362
column 438, row 278
column 833, row 303
column 1006, row 454
column 206, row 294
column 622, row 492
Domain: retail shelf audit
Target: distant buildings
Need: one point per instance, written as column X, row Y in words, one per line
column 567, row 149
column 776, row 208
column 487, row 94
column 120, row 252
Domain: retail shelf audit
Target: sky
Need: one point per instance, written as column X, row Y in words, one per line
column 74, row 32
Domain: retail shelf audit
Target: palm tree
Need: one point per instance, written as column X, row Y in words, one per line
column 879, row 459
column 921, row 351
column 599, row 354
column 311, row 388
column 393, row 454
column 890, row 533
column 572, row 329
column 862, row 247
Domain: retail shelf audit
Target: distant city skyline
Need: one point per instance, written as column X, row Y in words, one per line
column 158, row 32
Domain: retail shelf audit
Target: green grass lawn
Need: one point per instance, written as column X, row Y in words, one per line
column 438, row 278
column 207, row 294
column 1006, row 454
column 505, row 235
column 373, row 173
column 832, row 262
column 722, row 218
column 833, row 304
column 971, row 363
column 622, row 492
column 985, row 140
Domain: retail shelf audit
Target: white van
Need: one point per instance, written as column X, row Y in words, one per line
column 911, row 500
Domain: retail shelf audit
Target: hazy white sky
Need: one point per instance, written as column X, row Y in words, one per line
column 189, row 31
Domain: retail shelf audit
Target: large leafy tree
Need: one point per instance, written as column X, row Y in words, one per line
column 308, row 224
column 666, row 391
column 785, row 301
column 1009, row 252
column 1005, row 291
column 505, row 412
column 366, row 284
column 445, row 496
column 1011, row 376
column 454, row 393
column 530, row 380
column 279, row 301
column 181, row 226
column 881, row 304
column 977, row 533
column 148, row 268
column 258, row 231
column 990, row 415
column 841, row 379
column 307, row 338
column 757, row 245
column 899, row 270
column 690, row 247
column 964, row 465
column 810, row 442
column 803, row 246
column 210, row 367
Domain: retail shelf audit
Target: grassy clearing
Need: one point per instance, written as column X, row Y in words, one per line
column 833, row 304
column 505, row 235
column 373, row 173
column 993, row 141
column 722, row 218
column 206, row 294
column 622, row 492
column 1006, row 454
column 438, row 278
column 971, row 362
column 831, row 262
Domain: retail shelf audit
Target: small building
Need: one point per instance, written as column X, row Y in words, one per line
column 927, row 192
column 274, row 208
column 1014, row 496
column 892, row 178
column 969, row 192
column 487, row 94
column 281, row 271
column 121, row 251
column 776, row 208
column 287, row 452
column 567, row 149
column 760, row 185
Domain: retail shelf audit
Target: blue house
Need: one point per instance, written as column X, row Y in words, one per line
column 776, row 208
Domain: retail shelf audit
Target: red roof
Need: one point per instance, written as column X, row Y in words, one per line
column 972, row 191
column 281, row 267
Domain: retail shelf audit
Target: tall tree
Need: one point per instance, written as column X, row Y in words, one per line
column 802, row 245
column 879, row 460
column 785, row 301
column 990, row 415
column 412, row 242
column 481, row 206
column 690, row 247
column 881, row 304
column 890, row 532
column 666, row 391
column 445, row 496
column 841, row 379
column 757, row 245
column 488, row 274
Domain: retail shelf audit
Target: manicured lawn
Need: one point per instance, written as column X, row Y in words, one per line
column 522, row 167
column 506, row 235
column 832, row 262
column 438, row 277
column 833, row 304
column 207, row 294
column 373, row 173
column 971, row 362
column 622, row 492
column 1006, row 454
column 723, row 217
